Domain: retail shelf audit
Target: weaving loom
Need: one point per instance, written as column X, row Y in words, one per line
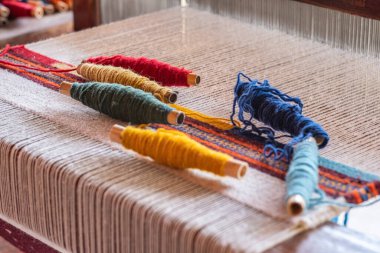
column 64, row 183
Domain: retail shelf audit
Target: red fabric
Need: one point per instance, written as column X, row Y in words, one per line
column 23, row 241
column 18, row 9
column 161, row 72
column 5, row 51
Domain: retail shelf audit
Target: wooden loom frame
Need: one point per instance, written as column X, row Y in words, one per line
column 328, row 237
column 87, row 12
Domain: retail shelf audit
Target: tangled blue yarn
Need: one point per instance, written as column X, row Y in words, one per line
column 276, row 109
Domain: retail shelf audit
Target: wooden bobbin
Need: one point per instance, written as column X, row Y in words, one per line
column 296, row 204
column 65, row 88
column 174, row 117
column 48, row 9
column 193, row 79
column 4, row 12
column 60, row 6
column 233, row 168
column 37, row 12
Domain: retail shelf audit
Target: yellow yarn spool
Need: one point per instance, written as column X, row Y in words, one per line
column 110, row 74
column 177, row 150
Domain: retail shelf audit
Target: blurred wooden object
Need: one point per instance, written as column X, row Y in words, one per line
column 26, row 30
column 364, row 8
column 86, row 14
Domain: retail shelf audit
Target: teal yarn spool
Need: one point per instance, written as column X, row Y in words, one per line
column 124, row 103
column 302, row 177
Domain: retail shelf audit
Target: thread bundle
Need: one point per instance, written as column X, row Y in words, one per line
column 161, row 72
column 20, row 9
column 110, row 74
column 121, row 102
column 174, row 149
column 277, row 110
column 302, row 175
column 284, row 113
column 47, row 7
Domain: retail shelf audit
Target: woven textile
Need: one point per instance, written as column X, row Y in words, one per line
column 105, row 198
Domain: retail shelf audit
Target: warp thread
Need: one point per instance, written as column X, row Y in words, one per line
column 161, row 72
column 276, row 109
column 174, row 149
column 110, row 74
column 121, row 102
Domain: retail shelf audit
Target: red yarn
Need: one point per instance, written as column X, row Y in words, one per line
column 161, row 72
column 18, row 9
column 5, row 51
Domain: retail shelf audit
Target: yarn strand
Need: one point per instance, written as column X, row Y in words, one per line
column 175, row 149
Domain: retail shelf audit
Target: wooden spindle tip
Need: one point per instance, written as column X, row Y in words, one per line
column 115, row 133
column 62, row 6
column 176, row 117
column 172, row 97
column 193, row 79
column 48, row 9
column 319, row 140
column 295, row 205
column 4, row 12
column 65, row 88
column 38, row 12
column 235, row 168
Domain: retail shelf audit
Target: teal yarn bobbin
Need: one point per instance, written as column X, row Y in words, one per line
column 302, row 177
column 123, row 102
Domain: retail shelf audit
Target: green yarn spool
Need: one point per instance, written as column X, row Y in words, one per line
column 122, row 102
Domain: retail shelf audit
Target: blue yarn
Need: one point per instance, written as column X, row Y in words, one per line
column 278, row 110
column 302, row 176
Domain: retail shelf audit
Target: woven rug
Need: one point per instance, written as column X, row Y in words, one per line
column 70, row 143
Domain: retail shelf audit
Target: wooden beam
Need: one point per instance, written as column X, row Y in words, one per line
column 364, row 8
column 86, row 14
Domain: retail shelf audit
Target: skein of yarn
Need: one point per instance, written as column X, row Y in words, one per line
column 277, row 110
column 177, row 150
column 110, row 74
column 302, row 177
column 19, row 9
column 161, row 72
column 123, row 102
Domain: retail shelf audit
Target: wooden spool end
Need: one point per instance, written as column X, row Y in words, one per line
column 115, row 133
column 65, row 88
column 193, row 79
column 176, row 117
column 37, row 12
column 295, row 205
column 4, row 12
column 48, row 9
column 61, row 6
column 172, row 97
column 319, row 140
column 235, row 168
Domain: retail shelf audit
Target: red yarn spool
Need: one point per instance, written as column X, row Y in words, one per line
column 156, row 70
column 19, row 9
